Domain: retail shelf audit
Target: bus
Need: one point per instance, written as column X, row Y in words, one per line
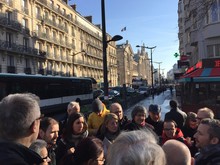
column 55, row 92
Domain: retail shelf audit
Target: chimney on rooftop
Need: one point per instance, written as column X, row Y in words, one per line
column 73, row 6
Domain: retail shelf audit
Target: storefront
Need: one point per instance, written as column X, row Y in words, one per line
column 200, row 86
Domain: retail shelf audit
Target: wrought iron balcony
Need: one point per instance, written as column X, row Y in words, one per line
column 11, row 69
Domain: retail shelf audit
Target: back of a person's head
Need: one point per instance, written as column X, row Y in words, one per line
column 136, row 148
column 177, row 153
column 207, row 112
column 17, row 114
column 97, row 105
column 173, row 104
column 38, row 145
column 73, row 106
column 89, row 148
column 46, row 122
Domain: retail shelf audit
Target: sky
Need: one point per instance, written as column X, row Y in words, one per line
column 148, row 22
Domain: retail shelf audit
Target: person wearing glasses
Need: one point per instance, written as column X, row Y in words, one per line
column 40, row 147
column 170, row 131
column 19, row 127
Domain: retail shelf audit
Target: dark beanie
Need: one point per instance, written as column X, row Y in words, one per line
column 97, row 106
column 154, row 108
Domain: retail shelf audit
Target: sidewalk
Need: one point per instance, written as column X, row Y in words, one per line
column 162, row 99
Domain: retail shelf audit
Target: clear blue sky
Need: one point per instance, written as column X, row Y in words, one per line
column 152, row 22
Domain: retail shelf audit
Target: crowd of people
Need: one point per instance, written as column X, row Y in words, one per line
column 107, row 136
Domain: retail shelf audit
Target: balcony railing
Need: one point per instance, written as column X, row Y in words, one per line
column 41, row 71
column 14, row 25
column 11, row 69
column 27, row 70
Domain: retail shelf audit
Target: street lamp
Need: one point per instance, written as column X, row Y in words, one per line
column 159, row 72
column 83, row 51
column 105, row 44
column 151, row 61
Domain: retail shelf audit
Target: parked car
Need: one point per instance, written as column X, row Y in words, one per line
column 129, row 90
column 113, row 93
column 99, row 93
column 144, row 90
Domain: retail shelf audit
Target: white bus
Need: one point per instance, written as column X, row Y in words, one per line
column 55, row 92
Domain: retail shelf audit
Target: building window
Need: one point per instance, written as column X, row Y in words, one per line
column 213, row 50
column 27, row 63
column 25, row 43
column 214, row 12
column 11, row 61
column 51, row 3
column 9, row 39
column 8, row 16
column 64, row 12
column 25, row 23
column 37, row 10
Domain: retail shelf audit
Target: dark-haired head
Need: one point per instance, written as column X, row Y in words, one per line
column 72, row 118
column 173, row 104
column 89, row 149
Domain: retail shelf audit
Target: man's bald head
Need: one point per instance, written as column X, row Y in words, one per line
column 177, row 153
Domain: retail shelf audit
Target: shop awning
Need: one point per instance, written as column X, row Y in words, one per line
column 202, row 75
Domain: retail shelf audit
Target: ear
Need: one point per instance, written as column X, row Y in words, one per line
column 35, row 126
column 214, row 140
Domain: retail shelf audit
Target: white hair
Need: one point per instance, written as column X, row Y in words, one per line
column 136, row 148
column 17, row 114
column 38, row 145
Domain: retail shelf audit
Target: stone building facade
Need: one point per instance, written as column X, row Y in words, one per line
column 199, row 24
column 50, row 37
column 132, row 65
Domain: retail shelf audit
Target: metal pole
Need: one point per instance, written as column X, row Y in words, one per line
column 159, row 76
column 152, row 81
column 104, row 42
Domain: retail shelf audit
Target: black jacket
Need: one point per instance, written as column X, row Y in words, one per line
column 158, row 126
column 178, row 116
column 16, row 154
column 209, row 155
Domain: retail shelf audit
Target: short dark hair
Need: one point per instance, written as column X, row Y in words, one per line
column 173, row 104
column 46, row 122
column 88, row 148
column 214, row 127
column 171, row 121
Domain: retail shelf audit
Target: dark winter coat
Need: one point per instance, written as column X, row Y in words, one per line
column 158, row 126
column 16, row 154
column 209, row 155
column 176, row 115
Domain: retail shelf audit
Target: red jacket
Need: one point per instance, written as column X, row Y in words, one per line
column 178, row 136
